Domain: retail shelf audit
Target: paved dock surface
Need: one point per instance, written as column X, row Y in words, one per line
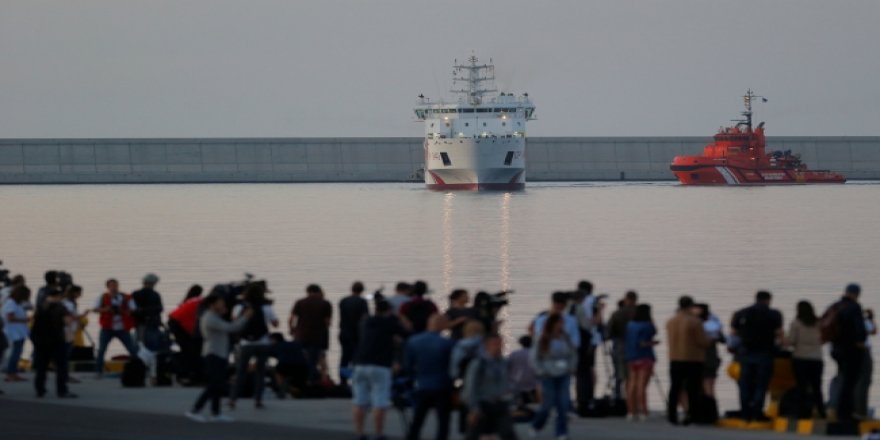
column 105, row 410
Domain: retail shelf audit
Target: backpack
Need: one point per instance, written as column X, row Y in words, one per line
column 829, row 325
column 134, row 373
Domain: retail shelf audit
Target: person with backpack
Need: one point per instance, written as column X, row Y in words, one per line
column 843, row 325
column 216, row 332
column 805, row 341
column 254, row 342
column 486, row 392
column 554, row 359
column 116, row 318
column 418, row 309
column 760, row 330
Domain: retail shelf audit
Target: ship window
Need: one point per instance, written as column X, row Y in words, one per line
column 466, row 124
column 504, row 124
column 509, row 158
column 445, row 158
column 447, row 124
column 484, row 110
column 467, row 110
column 432, row 124
column 695, row 176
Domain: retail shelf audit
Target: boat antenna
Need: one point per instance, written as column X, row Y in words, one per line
column 479, row 79
column 747, row 100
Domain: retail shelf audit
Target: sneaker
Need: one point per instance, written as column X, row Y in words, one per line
column 195, row 417
column 221, row 418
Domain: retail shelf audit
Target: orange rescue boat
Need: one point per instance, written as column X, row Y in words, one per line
column 738, row 157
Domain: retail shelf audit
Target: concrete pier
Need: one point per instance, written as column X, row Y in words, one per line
column 105, row 410
column 25, row 161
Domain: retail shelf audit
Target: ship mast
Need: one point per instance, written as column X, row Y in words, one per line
column 478, row 78
column 747, row 100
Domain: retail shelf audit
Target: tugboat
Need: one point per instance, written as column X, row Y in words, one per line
column 738, row 157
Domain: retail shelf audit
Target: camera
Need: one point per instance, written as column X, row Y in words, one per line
column 489, row 304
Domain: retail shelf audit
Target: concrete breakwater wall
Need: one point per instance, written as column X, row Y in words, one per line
column 194, row 160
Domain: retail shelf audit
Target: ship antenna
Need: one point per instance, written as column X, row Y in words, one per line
column 747, row 100
column 479, row 79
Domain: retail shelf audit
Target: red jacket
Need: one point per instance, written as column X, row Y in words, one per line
column 187, row 314
column 106, row 319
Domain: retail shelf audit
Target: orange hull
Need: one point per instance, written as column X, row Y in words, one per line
column 695, row 170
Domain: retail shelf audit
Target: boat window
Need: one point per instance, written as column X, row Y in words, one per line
column 445, row 158
column 467, row 124
column 484, row 110
column 484, row 124
column 509, row 158
column 467, row 110
column 504, row 124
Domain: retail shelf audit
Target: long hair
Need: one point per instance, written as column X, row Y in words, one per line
column 643, row 313
column 547, row 333
column 806, row 314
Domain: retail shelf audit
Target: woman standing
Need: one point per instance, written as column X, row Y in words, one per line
column 554, row 359
column 255, row 342
column 15, row 314
column 805, row 341
column 639, row 356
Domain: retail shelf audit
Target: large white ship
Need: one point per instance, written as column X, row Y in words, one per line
column 477, row 142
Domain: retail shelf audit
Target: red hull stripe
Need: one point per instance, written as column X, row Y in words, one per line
column 477, row 187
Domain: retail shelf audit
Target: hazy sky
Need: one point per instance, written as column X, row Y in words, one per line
column 218, row 68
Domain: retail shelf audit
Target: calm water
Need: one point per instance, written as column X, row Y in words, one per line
column 717, row 244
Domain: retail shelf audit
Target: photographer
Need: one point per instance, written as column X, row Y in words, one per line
column 115, row 309
column 459, row 313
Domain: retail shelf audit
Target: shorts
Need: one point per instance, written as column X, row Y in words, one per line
column 371, row 386
column 642, row 364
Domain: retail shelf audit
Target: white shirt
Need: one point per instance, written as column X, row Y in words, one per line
column 116, row 300
column 869, row 328
column 15, row 331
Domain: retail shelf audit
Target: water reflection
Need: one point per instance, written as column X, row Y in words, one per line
column 448, row 245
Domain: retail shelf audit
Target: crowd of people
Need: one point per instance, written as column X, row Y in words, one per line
column 404, row 351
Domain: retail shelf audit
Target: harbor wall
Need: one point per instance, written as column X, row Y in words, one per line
column 195, row 160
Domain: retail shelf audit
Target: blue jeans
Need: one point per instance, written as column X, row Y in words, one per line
column 754, row 379
column 104, row 339
column 14, row 357
column 556, row 393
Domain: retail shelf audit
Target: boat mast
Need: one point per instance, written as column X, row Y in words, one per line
column 479, row 79
column 747, row 100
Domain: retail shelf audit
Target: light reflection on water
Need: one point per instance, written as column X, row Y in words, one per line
column 718, row 244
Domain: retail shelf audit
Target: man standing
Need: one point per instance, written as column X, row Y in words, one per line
column 687, row 352
column 116, row 311
column 352, row 310
column 418, row 309
column 371, row 381
column 51, row 278
column 310, row 325
column 402, row 295
column 50, row 343
column 459, row 313
column 759, row 328
column 148, row 315
column 584, row 311
column 847, row 345
column 426, row 358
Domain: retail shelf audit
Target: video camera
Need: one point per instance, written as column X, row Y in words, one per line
column 489, row 304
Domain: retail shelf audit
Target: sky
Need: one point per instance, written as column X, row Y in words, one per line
column 340, row 68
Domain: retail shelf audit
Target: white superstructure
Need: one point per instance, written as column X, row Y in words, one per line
column 477, row 142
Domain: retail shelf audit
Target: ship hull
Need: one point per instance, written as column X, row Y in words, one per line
column 730, row 175
column 475, row 164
